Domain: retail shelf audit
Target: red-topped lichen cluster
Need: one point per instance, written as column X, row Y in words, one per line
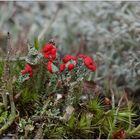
column 69, row 62
column 88, row 61
column 49, row 52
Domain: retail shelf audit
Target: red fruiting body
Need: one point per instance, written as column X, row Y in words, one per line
column 47, row 56
column 53, row 54
column 62, row 67
column 68, row 58
column 70, row 67
column 88, row 61
column 28, row 70
column 53, row 51
column 23, row 72
column 53, row 57
column 92, row 67
column 47, row 47
column 49, row 67
column 49, row 51
column 81, row 56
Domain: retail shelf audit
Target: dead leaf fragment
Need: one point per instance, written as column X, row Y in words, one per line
column 120, row 134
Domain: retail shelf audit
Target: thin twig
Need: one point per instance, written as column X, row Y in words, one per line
column 112, row 95
column 117, row 110
column 130, row 119
column 112, row 98
column 8, row 85
column 115, row 116
column 5, row 76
